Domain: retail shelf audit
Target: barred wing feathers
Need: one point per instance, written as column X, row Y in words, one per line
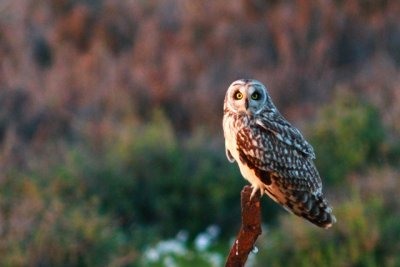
column 282, row 160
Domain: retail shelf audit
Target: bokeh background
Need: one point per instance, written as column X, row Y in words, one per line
column 111, row 146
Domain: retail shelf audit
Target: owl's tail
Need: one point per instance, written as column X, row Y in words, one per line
column 312, row 207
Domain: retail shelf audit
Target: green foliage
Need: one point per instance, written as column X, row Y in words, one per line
column 42, row 228
column 147, row 176
column 348, row 135
column 105, row 199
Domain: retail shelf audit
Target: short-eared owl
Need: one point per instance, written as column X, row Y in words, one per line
column 272, row 154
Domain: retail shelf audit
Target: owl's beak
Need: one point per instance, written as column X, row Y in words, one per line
column 246, row 104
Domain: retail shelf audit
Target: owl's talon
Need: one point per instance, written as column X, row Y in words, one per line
column 253, row 192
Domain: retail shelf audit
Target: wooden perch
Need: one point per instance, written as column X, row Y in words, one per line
column 249, row 231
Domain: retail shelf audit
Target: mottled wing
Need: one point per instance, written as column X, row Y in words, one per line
column 285, row 132
column 264, row 151
column 288, row 172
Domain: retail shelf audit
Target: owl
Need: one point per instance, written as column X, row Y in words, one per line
column 272, row 154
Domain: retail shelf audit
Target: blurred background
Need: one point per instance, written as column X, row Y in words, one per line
column 111, row 145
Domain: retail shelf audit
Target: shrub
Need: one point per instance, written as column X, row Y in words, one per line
column 347, row 136
column 41, row 228
column 153, row 182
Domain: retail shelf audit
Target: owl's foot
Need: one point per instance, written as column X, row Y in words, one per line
column 256, row 188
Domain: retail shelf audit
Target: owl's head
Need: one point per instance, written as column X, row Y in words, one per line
column 248, row 96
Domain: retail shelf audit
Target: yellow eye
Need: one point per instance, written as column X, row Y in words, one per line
column 238, row 95
column 255, row 96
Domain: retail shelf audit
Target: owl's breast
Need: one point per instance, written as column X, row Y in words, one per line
column 230, row 136
column 232, row 124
